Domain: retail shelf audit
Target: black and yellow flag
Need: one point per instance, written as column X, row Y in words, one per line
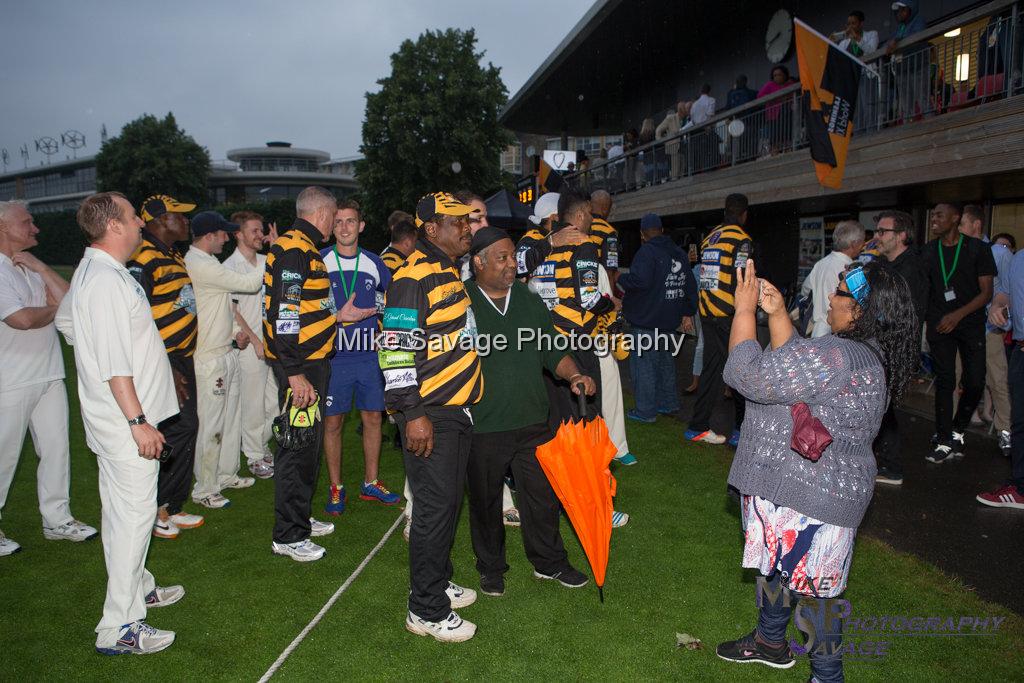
column 830, row 79
column 548, row 179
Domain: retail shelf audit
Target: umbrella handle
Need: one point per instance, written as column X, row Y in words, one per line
column 582, row 398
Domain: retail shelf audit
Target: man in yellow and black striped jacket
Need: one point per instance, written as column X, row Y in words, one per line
column 568, row 281
column 160, row 270
column 431, row 376
column 300, row 324
column 726, row 249
column 403, row 241
column 604, row 234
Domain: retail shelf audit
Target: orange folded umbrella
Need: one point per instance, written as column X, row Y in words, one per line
column 576, row 463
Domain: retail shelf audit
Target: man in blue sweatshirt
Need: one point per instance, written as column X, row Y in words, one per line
column 660, row 295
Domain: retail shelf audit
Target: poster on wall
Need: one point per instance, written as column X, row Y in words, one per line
column 812, row 246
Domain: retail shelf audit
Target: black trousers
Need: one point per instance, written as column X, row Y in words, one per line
column 180, row 432
column 489, row 458
column 296, row 469
column 566, row 405
column 969, row 342
column 716, row 352
column 438, row 483
column 887, row 444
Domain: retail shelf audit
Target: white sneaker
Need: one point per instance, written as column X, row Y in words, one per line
column 453, row 629
column 164, row 596
column 70, row 531
column 460, row 597
column 138, row 638
column 301, row 551
column 619, row 519
column 318, row 528
column 165, row 528
column 214, row 501
column 184, row 520
column 261, row 469
column 239, row 483
column 7, row 546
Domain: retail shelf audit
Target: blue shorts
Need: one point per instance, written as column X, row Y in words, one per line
column 360, row 377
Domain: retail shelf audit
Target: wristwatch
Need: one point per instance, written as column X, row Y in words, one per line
column 139, row 420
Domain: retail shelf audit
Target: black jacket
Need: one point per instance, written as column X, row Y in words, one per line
column 910, row 265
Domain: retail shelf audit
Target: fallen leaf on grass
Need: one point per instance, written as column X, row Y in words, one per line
column 688, row 641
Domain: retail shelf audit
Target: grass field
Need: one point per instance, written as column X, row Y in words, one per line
column 675, row 568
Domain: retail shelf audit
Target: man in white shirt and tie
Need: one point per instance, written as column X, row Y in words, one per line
column 258, row 388
column 32, row 393
column 217, row 380
column 125, row 387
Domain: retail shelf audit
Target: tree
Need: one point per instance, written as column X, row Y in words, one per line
column 153, row 156
column 437, row 111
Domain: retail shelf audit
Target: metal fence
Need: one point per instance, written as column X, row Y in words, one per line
column 960, row 68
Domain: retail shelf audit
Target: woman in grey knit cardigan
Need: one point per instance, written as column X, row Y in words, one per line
column 800, row 517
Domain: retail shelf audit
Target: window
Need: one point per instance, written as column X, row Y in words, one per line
column 512, row 159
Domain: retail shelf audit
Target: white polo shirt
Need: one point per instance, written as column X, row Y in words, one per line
column 213, row 284
column 249, row 305
column 28, row 356
column 107, row 318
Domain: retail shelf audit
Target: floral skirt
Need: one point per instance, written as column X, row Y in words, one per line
column 812, row 557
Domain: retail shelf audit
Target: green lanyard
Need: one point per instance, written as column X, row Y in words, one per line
column 942, row 261
column 349, row 288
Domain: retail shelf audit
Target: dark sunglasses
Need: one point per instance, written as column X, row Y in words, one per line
column 842, row 292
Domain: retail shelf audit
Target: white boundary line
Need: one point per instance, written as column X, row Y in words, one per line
column 330, row 603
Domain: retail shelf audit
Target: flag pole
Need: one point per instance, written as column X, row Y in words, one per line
column 808, row 28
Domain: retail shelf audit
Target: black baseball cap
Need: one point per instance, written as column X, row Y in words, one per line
column 205, row 222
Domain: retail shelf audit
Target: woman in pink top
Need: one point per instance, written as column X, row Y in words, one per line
column 776, row 132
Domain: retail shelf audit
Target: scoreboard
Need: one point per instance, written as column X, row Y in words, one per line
column 526, row 189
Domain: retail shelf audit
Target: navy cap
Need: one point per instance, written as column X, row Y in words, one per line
column 205, row 222
column 649, row 221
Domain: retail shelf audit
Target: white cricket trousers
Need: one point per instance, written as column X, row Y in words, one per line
column 257, row 405
column 128, row 499
column 219, row 441
column 611, row 403
column 43, row 409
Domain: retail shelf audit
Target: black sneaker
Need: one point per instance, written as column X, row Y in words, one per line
column 942, row 453
column 958, row 444
column 885, row 476
column 493, row 585
column 570, row 578
column 747, row 649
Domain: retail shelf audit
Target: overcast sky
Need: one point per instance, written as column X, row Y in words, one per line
column 240, row 73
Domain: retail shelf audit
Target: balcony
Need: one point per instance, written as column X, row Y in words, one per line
column 946, row 106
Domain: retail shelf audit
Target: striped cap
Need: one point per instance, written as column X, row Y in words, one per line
column 436, row 203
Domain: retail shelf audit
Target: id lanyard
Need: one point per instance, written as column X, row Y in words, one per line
column 348, row 289
column 946, row 277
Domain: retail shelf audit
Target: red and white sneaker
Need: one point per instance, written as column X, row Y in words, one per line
column 1005, row 497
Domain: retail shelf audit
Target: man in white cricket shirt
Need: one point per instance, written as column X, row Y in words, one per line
column 125, row 387
column 217, row 380
column 258, row 387
column 32, row 394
